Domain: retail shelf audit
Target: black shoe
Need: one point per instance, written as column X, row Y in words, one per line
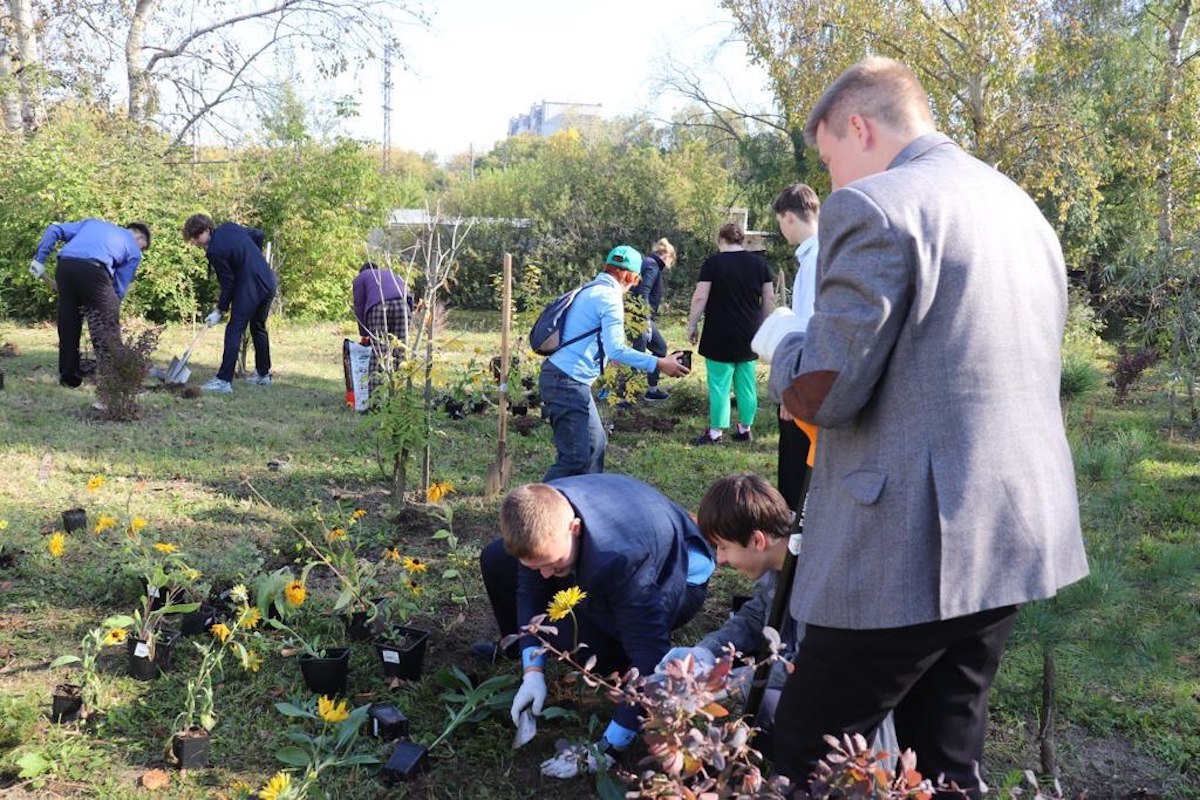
column 704, row 439
column 489, row 651
column 743, row 436
column 656, row 395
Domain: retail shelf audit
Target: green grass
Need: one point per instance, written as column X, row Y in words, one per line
column 1127, row 640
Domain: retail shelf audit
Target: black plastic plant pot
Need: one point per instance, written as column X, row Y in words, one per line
column 198, row 621
column 520, row 410
column 144, row 667
column 402, row 652
column 191, row 748
column 74, row 519
column 157, row 595
column 407, row 761
column 388, row 722
column 66, row 703
column 326, row 675
column 359, row 626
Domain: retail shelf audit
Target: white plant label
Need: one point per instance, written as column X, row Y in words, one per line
column 142, row 650
column 391, row 656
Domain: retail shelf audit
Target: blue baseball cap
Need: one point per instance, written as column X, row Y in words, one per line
column 625, row 257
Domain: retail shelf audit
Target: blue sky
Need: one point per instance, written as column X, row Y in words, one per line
column 483, row 61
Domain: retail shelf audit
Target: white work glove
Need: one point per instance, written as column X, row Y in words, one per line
column 577, row 759
column 532, row 695
column 213, row 318
column 37, row 269
column 702, row 656
column 774, row 329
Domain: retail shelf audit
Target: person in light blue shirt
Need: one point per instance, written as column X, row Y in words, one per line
column 567, row 375
column 95, row 268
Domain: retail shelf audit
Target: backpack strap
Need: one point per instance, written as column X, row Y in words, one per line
column 593, row 332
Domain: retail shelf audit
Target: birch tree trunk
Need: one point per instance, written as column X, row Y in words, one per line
column 10, row 98
column 28, row 64
column 140, row 93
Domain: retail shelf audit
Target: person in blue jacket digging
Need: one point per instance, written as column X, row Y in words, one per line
column 247, row 288
column 639, row 562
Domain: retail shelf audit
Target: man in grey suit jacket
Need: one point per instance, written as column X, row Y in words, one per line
column 943, row 494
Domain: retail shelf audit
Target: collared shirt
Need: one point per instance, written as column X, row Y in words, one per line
column 804, row 288
column 600, row 306
column 95, row 240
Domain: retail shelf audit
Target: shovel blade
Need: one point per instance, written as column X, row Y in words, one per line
column 177, row 372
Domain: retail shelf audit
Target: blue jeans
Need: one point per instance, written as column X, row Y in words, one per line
column 579, row 435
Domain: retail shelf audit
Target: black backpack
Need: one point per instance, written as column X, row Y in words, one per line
column 545, row 338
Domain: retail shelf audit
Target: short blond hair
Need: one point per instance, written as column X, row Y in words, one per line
column 664, row 248
column 880, row 88
column 530, row 515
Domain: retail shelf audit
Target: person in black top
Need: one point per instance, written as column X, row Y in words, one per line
column 734, row 293
column 650, row 289
column 247, row 289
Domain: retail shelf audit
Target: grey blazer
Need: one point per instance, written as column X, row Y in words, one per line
column 943, row 483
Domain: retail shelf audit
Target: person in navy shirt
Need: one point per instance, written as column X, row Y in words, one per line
column 651, row 291
column 640, row 558
column 95, row 268
column 247, row 288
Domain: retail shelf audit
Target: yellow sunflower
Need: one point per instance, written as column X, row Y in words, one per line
column 95, row 483
column 239, row 593
column 250, row 618
column 332, row 712
column 115, row 635
column 165, row 547
column 136, row 524
column 277, row 787
column 221, row 631
column 3, row 524
column 413, row 565
column 335, row 534
column 295, row 593
column 104, row 523
column 358, row 514
column 57, row 544
column 391, row 554
column 564, row 602
column 438, row 490
column 415, row 588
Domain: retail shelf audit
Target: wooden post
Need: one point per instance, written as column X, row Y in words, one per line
column 505, row 329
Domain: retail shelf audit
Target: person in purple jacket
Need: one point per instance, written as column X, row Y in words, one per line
column 95, row 268
column 247, row 289
column 382, row 306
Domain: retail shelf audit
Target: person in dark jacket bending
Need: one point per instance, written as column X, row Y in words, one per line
column 95, row 268
column 639, row 557
column 661, row 259
column 247, row 289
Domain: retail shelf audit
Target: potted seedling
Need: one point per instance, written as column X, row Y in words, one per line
column 75, row 519
column 323, row 667
column 333, row 744
column 401, row 648
column 166, row 576
column 73, row 701
column 190, row 740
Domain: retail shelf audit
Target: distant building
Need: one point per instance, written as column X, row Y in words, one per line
column 549, row 117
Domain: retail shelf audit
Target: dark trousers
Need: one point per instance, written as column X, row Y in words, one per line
column 84, row 290
column 500, row 578
column 653, row 340
column 934, row 676
column 792, row 464
column 239, row 318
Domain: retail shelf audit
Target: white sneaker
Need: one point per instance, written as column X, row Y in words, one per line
column 217, row 386
column 259, row 380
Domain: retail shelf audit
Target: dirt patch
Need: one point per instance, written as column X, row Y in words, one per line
column 637, row 420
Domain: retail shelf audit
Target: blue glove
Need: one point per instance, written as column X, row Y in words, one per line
column 702, row 656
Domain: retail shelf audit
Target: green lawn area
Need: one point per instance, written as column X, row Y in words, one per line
column 232, row 480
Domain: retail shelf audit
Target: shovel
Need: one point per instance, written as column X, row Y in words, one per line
column 497, row 474
column 177, row 371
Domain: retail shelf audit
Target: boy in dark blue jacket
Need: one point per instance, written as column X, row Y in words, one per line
column 639, row 557
column 247, row 288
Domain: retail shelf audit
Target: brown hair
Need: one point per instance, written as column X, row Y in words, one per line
column 196, row 224
column 800, row 199
column 732, row 233
column 529, row 517
column 880, row 88
column 737, row 505
column 665, row 250
column 625, row 277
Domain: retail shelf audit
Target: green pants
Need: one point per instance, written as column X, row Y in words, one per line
column 722, row 374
